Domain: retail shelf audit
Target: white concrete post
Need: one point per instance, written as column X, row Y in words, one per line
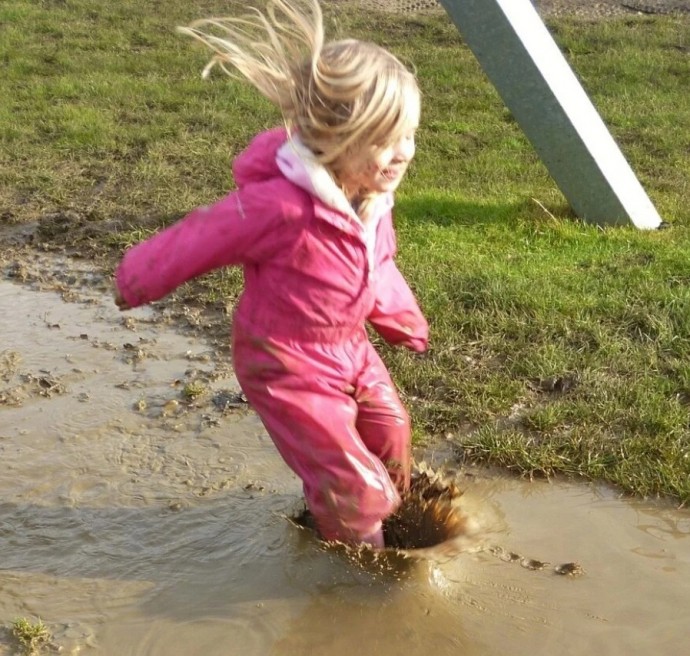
column 519, row 56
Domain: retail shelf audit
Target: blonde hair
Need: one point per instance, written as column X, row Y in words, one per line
column 339, row 96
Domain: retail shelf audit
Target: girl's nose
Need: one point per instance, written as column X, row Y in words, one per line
column 404, row 150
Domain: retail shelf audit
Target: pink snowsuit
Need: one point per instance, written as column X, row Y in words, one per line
column 314, row 274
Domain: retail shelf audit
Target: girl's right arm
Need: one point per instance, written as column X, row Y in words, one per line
column 248, row 225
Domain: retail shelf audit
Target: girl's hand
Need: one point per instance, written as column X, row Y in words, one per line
column 120, row 301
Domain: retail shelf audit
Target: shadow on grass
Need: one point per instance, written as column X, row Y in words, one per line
column 446, row 211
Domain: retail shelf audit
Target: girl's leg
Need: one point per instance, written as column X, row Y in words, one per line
column 382, row 421
column 312, row 418
column 346, row 487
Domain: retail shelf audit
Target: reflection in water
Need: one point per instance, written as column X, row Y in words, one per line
column 138, row 521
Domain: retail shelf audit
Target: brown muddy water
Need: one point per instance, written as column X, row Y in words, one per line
column 143, row 511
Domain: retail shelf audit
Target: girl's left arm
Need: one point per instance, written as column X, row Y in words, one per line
column 396, row 315
column 248, row 225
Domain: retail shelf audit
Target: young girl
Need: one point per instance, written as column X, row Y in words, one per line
column 310, row 222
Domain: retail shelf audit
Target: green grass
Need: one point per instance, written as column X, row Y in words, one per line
column 556, row 346
column 31, row 636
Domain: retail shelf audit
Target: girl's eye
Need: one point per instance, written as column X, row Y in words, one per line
column 409, row 136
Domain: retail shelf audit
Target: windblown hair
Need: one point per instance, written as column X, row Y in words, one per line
column 339, row 96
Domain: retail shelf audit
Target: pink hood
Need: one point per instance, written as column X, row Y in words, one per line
column 258, row 162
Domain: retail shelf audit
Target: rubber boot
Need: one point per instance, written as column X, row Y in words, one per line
column 375, row 538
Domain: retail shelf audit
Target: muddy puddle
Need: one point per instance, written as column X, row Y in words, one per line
column 143, row 512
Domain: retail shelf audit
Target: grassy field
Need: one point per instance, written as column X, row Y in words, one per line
column 557, row 346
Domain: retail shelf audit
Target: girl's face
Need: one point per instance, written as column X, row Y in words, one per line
column 382, row 170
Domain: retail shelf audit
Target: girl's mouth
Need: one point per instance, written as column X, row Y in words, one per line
column 392, row 174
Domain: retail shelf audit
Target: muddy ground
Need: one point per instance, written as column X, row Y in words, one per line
column 143, row 510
